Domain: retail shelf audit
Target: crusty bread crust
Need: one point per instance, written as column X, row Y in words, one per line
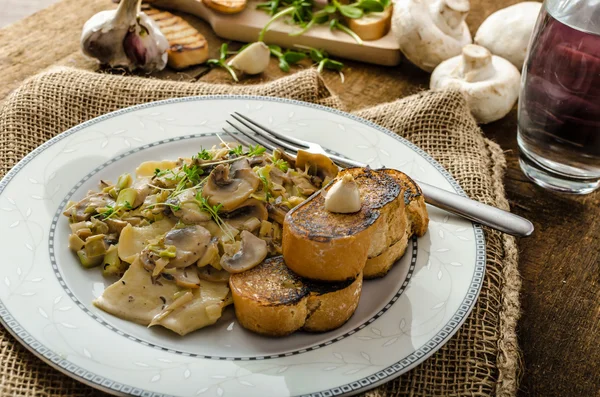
column 414, row 220
column 187, row 46
column 326, row 246
column 381, row 264
column 271, row 300
column 331, row 308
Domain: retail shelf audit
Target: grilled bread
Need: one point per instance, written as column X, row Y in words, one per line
column 187, row 46
column 413, row 220
column 271, row 300
column 326, row 246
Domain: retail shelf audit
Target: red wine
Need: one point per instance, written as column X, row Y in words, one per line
column 559, row 107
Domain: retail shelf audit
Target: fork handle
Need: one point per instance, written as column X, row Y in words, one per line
column 473, row 210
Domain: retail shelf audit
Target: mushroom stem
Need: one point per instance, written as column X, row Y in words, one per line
column 449, row 15
column 476, row 64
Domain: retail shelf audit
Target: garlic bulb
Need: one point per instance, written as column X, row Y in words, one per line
column 125, row 37
column 253, row 59
column 343, row 197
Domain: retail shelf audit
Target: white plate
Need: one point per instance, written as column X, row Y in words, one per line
column 45, row 295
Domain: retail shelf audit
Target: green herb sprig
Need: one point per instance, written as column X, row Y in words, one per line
column 286, row 58
column 221, row 62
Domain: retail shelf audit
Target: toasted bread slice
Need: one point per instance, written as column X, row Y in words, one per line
column 326, row 246
column 414, row 201
column 271, row 300
column 187, row 46
column 226, row 6
column 380, row 265
column 414, row 220
column 330, row 305
column 372, row 26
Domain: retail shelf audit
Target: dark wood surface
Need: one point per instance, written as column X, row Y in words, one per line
column 560, row 264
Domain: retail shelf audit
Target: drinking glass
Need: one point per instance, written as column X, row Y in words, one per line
column 559, row 104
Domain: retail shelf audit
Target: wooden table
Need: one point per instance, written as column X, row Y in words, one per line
column 560, row 263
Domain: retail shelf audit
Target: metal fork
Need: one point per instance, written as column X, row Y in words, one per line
column 487, row 215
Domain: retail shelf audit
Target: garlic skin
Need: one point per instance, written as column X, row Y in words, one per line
column 126, row 38
column 431, row 31
column 343, row 197
column 253, row 59
column 490, row 84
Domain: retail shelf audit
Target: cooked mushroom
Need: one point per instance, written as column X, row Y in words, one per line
column 277, row 212
column 258, row 161
column 209, row 273
column 84, row 209
column 305, row 187
column 241, row 164
column 316, row 164
column 229, row 191
column 251, row 208
column 252, row 252
column 190, row 242
column 143, row 189
column 211, row 255
column 189, row 212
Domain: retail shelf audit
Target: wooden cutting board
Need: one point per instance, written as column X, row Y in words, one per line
column 246, row 25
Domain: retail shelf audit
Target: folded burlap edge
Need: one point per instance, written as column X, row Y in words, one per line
column 509, row 368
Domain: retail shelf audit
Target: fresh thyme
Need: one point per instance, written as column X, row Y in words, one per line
column 203, row 154
column 281, row 164
column 238, row 151
column 255, row 150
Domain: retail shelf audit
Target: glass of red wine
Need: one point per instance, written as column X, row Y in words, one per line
column 559, row 105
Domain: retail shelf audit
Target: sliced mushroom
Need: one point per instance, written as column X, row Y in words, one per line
column 191, row 242
column 303, row 184
column 209, row 273
column 251, row 208
column 143, row 189
column 211, row 255
column 241, row 164
column 81, row 211
column 252, row 252
column 316, row 164
column 189, row 212
column 258, row 161
column 277, row 212
column 229, row 191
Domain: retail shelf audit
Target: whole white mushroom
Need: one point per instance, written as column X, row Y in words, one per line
column 489, row 83
column 431, row 31
column 506, row 32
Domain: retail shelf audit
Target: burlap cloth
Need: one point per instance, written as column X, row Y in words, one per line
column 482, row 359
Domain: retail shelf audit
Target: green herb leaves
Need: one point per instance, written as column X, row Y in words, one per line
column 321, row 58
column 255, row 150
column 286, row 58
column 203, row 154
column 221, row 62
